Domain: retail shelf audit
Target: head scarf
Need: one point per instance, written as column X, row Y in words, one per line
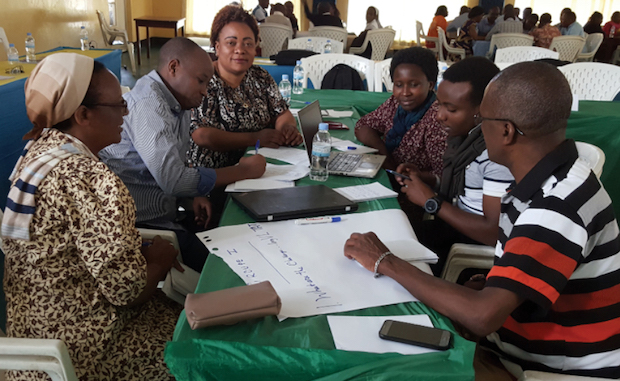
column 55, row 89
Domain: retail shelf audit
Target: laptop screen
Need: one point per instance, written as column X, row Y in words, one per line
column 309, row 119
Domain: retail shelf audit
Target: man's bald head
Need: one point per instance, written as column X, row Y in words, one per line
column 179, row 48
column 535, row 96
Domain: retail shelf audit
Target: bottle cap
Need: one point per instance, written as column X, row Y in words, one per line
column 298, row 62
column 285, row 76
column 83, row 27
column 329, row 40
column 323, row 126
column 28, row 34
column 11, row 45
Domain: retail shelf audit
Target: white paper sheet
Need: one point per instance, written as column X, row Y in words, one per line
column 361, row 333
column 286, row 154
column 366, row 192
column 575, row 105
column 258, row 184
column 339, row 114
column 5, row 77
column 306, row 264
column 343, row 145
column 285, row 172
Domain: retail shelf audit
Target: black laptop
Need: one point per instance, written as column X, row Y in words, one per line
column 296, row 202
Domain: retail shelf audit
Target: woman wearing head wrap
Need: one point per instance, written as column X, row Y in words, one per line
column 76, row 269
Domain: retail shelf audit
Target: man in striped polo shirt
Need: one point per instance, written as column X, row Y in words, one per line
column 552, row 300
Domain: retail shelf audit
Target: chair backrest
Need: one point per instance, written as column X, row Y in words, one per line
column 593, row 80
column 316, row 66
column 516, row 54
column 331, row 32
column 381, row 41
column 105, row 27
column 45, row 355
column 317, row 42
column 5, row 41
column 443, row 44
column 594, row 156
column 382, row 76
column 273, row 37
column 593, row 42
column 505, row 40
column 567, row 46
column 419, row 33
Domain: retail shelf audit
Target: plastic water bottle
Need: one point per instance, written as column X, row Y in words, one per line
column 328, row 47
column 285, row 88
column 13, row 55
column 309, row 45
column 30, row 57
column 298, row 79
column 442, row 68
column 321, row 147
column 84, row 38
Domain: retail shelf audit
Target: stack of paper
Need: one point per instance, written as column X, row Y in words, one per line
column 286, row 154
column 275, row 177
column 258, row 184
column 367, row 192
column 350, row 147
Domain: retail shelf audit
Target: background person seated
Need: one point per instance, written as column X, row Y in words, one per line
column 469, row 189
column 372, row 22
column 76, row 269
column 290, row 7
column 404, row 128
column 488, row 22
column 544, row 34
column 260, row 12
column 550, row 302
column 594, row 23
column 439, row 21
column 510, row 24
column 151, row 157
column 569, row 25
column 325, row 15
column 460, row 20
column 529, row 24
column 277, row 16
column 469, row 33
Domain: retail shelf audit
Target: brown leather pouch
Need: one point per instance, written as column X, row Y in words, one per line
column 232, row 305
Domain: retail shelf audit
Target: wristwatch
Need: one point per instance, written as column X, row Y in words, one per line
column 432, row 205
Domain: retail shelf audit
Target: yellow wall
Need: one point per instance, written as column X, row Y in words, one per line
column 138, row 8
column 53, row 23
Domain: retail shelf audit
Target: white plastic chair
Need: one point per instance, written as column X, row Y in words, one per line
column 317, row 42
column 420, row 35
column 4, row 40
column 380, row 39
column 534, row 375
column 593, row 80
column 177, row 284
column 443, row 44
column 516, row 54
column 594, row 156
column 382, row 76
column 506, row 40
column 331, row 32
column 315, row 67
column 45, row 355
column 567, row 46
column 615, row 59
column 110, row 35
column 273, row 38
column 593, row 42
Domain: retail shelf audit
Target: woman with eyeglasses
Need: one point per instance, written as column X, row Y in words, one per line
column 466, row 197
column 243, row 105
column 76, row 268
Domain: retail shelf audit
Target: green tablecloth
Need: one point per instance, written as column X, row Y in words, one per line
column 303, row 348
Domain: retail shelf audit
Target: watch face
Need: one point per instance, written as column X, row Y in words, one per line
column 431, row 206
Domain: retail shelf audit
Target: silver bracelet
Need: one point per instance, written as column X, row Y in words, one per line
column 377, row 275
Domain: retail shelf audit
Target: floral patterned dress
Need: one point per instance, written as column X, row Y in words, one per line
column 73, row 280
column 250, row 107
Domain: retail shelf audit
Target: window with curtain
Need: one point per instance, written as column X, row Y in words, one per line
column 400, row 15
column 582, row 8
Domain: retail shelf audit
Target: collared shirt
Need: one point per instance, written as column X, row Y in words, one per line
column 150, row 159
column 259, row 13
column 483, row 177
column 509, row 26
column 458, row 22
column 559, row 250
column 484, row 27
column 544, row 35
column 574, row 29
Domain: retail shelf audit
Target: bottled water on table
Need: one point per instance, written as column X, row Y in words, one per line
column 298, row 78
column 328, row 47
column 13, row 55
column 30, row 57
column 309, row 45
column 321, row 147
column 84, row 39
column 285, row 88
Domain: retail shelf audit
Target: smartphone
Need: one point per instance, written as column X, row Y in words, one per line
column 422, row 336
column 337, row 126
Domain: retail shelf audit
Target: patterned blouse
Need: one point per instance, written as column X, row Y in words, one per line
column 424, row 143
column 252, row 106
column 82, row 266
column 544, row 35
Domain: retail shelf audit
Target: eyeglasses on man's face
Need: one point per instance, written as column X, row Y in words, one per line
column 122, row 104
column 478, row 119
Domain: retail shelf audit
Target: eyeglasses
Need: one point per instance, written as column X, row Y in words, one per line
column 15, row 70
column 478, row 119
column 123, row 105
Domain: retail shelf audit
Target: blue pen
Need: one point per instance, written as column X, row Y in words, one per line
column 306, row 103
column 351, row 148
column 398, row 174
column 256, row 146
column 317, row 220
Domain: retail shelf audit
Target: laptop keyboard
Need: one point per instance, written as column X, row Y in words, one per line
column 343, row 162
